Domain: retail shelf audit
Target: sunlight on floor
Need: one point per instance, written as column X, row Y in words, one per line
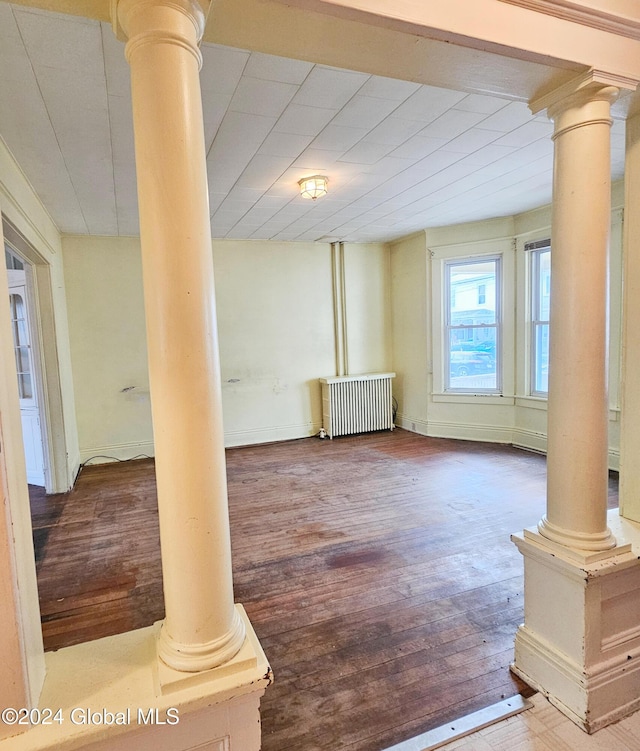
column 544, row 728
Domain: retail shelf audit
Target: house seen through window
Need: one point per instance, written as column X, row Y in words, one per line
column 473, row 325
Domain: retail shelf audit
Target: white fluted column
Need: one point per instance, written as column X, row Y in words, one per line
column 201, row 629
column 577, row 445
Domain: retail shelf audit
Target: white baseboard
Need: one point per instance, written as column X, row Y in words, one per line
column 270, row 434
column 116, row 452
column 412, row 424
column 519, row 437
column 466, row 432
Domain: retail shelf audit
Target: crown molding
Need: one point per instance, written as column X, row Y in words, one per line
column 575, row 12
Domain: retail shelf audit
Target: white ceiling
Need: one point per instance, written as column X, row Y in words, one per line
column 399, row 156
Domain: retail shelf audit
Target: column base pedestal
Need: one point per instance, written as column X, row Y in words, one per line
column 114, row 694
column 200, row 658
column 580, row 642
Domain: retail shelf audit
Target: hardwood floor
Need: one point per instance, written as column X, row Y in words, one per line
column 377, row 571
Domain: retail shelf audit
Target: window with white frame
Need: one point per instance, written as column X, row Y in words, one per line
column 472, row 323
column 540, row 268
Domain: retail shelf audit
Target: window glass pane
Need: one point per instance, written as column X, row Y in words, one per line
column 12, row 262
column 541, row 370
column 22, row 359
column 472, row 359
column 471, row 356
column 472, row 293
column 544, row 285
column 540, row 307
column 24, row 386
column 21, row 331
column 21, row 346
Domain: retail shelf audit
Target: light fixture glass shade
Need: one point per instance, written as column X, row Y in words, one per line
column 313, row 187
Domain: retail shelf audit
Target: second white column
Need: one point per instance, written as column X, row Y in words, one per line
column 577, row 447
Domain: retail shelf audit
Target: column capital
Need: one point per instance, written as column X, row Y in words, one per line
column 126, row 13
column 594, row 85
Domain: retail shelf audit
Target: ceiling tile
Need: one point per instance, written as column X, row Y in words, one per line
column 116, row 67
column 451, row 124
column 364, row 112
column 284, row 144
column 72, row 93
column 428, row 103
column 480, row 103
column 303, row 120
column 7, row 21
column 472, row 140
column 262, row 171
column 329, row 88
column 418, row 147
column 214, row 108
column 239, row 137
column 59, row 41
column 394, row 131
column 222, row 68
column 488, row 155
column 338, row 138
column 526, row 133
column 317, row 159
column 389, row 88
column 512, row 116
column 271, row 68
column 258, row 97
column 366, row 152
column 386, row 167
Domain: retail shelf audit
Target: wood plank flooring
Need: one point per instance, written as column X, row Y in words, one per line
column 377, row 571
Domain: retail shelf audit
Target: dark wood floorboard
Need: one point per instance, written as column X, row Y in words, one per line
column 377, row 571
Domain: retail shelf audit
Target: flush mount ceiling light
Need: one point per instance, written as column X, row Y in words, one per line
column 313, row 187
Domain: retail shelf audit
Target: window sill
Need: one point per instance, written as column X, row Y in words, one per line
column 540, row 402
column 532, row 402
column 472, row 398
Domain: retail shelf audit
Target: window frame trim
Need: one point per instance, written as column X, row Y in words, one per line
column 448, row 390
column 535, row 249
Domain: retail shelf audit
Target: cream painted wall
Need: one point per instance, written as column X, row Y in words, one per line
column 103, row 278
column 275, row 321
column 411, row 333
column 368, row 307
column 276, row 330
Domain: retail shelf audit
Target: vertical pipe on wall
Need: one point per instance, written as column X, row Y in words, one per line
column 343, row 298
column 339, row 309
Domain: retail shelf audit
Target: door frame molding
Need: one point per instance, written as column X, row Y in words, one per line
column 45, row 352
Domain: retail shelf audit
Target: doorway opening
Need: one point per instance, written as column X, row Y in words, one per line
column 27, row 361
column 38, row 363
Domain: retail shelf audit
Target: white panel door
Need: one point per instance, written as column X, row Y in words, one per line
column 29, row 411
